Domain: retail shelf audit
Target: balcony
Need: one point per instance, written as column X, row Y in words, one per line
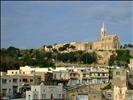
column 74, row 77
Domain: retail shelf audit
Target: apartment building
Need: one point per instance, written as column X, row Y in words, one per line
column 61, row 76
column 88, row 76
column 29, row 71
column 12, row 84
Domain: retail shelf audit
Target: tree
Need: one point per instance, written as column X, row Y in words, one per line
column 66, row 45
column 112, row 59
column 123, row 57
column 49, row 46
column 72, row 47
column 54, row 50
column 88, row 58
column 130, row 45
column 12, row 51
column 44, row 46
column 62, row 48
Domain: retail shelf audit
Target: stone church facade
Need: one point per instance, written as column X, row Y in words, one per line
column 106, row 42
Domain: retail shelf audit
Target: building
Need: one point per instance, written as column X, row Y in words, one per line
column 119, row 84
column 61, row 76
column 85, row 92
column 45, row 92
column 106, row 42
column 129, row 95
column 107, row 94
column 13, row 84
column 130, row 65
column 89, row 95
column 88, row 76
column 99, row 75
column 29, row 70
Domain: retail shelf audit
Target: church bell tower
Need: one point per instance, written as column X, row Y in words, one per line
column 103, row 31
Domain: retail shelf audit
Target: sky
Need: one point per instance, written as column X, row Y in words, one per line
column 32, row 24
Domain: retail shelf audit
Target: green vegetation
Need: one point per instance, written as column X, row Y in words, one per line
column 121, row 59
column 13, row 58
column 126, row 46
column 110, row 74
column 109, row 86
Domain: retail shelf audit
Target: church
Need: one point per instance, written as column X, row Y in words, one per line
column 106, row 42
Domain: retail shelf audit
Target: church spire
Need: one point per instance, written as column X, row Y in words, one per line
column 103, row 26
column 103, row 31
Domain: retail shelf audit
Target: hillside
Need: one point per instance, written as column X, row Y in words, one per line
column 13, row 58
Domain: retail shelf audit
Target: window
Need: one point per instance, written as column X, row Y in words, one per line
column 4, row 81
column 4, row 91
column 117, row 73
column 43, row 96
column 54, row 76
column 98, row 74
column 131, row 76
column 9, row 91
column 25, row 80
column 9, row 80
column 12, row 72
column 16, row 72
column 14, row 80
column 59, row 95
column 29, row 97
column 31, row 80
column 35, row 96
column 51, row 96
column 20, row 80
column 84, row 75
column 44, row 90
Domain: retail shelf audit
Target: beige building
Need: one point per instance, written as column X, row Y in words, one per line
column 90, row 95
column 85, row 92
column 129, row 95
column 107, row 42
column 119, row 81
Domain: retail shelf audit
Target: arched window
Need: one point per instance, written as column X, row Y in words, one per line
column 51, row 96
column 29, row 97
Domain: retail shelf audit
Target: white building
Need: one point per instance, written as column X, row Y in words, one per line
column 12, row 84
column 88, row 75
column 45, row 92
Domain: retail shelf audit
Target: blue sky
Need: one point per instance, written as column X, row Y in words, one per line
column 31, row 24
